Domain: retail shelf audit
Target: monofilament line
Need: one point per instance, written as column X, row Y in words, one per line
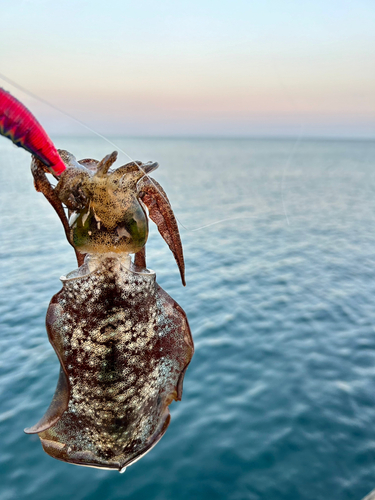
column 34, row 96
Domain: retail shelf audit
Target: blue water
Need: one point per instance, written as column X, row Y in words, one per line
column 279, row 400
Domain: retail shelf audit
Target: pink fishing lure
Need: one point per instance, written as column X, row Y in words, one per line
column 23, row 129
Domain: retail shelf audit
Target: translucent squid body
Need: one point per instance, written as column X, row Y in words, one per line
column 123, row 343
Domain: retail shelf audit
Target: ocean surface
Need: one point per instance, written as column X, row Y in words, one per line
column 279, row 400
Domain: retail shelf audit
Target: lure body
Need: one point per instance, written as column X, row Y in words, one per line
column 23, row 129
column 123, row 343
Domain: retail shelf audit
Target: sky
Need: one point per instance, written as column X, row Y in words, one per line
column 238, row 68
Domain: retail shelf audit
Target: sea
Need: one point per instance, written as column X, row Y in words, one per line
column 279, row 399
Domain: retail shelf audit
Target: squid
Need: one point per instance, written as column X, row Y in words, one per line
column 122, row 342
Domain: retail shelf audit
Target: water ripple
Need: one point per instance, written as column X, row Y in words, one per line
column 279, row 399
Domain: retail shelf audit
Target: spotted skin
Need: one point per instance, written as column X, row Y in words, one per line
column 124, row 345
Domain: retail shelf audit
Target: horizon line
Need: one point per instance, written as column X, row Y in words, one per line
column 290, row 137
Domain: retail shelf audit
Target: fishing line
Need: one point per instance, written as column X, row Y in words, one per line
column 44, row 101
column 34, row 96
column 296, row 106
column 287, row 163
column 87, row 127
column 241, row 217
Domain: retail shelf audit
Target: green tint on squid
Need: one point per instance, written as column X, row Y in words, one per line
column 108, row 216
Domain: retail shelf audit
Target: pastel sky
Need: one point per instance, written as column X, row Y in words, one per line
column 196, row 67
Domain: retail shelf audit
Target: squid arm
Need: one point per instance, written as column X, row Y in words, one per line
column 160, row 212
